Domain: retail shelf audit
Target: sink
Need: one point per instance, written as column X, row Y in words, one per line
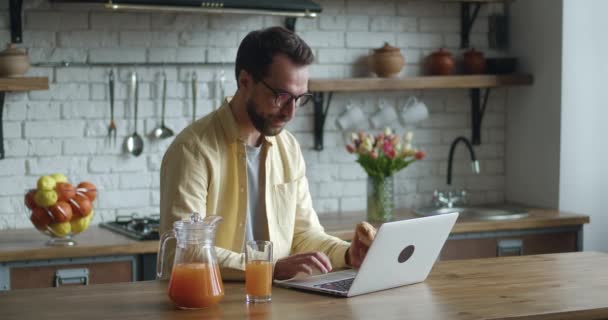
column 477, row 213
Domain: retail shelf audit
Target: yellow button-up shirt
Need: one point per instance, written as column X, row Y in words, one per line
column 205, row 170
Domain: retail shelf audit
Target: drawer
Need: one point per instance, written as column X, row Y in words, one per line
column 82, row 271
column 525, row 244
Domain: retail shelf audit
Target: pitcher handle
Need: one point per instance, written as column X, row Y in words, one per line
column 161, row 252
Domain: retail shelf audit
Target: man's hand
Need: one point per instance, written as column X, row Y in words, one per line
column 304, row 262
column 364, row 236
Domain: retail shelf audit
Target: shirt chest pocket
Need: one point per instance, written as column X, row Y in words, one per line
column 284, row 201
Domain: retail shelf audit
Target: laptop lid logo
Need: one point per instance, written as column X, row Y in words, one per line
column 406, row 253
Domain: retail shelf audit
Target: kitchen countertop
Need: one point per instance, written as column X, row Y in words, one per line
column 343, row 226
column 29, row 244
column 556, row 286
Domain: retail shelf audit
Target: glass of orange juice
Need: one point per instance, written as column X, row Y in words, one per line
column 258, row 271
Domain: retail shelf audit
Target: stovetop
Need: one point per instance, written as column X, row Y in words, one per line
column 135, row 227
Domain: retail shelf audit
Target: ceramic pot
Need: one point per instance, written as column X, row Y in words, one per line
column 474, row 62
column 13, row 61
column 387, row 61
column 440, row 63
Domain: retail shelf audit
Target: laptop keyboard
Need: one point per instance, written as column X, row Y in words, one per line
column 340, row 285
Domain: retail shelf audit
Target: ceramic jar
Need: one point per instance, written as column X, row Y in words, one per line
column 440, row 63
column 474, row 62
column 387, row 61
column 13, row 61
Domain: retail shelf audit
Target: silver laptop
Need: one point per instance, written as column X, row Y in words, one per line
column 402, row 253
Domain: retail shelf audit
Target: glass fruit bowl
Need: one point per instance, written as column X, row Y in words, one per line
column 59, row 209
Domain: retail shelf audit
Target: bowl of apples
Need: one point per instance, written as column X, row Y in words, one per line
column 60, row 209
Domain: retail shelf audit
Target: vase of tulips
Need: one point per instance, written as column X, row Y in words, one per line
column 381, row 156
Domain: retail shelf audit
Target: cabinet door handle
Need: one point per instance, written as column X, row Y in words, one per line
column 506, row 246
column 72, row 276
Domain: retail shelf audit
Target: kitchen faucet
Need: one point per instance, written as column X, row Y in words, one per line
column 448, row 199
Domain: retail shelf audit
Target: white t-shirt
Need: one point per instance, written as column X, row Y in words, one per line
column 254, row 230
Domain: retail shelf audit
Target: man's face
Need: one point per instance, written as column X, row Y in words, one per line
column 284, row 77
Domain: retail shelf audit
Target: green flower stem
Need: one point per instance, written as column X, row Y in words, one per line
column 380, row 198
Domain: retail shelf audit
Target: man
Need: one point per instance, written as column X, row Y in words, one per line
column 239, row 163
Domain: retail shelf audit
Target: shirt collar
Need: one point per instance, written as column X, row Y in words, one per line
column 231, row 128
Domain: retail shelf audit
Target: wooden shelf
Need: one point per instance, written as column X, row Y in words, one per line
column 24, row 84
column 323, row 90
column 425, row 82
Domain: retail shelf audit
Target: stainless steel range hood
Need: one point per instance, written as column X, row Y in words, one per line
column 289, row 8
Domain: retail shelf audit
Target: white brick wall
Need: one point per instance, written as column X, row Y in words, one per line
column 63, row 129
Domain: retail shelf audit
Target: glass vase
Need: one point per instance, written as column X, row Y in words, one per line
column 380, row 198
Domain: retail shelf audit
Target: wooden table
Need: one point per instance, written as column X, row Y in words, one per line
column 558, row 286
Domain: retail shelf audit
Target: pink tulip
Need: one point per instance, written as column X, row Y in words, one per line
column 419, row 155
column 391, row 154
column 387, row 147
column 374, row 154
column 350, row 148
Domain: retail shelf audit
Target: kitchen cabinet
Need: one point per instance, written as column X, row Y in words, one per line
column 509, row 243
column 99, row 256
column 62, row 272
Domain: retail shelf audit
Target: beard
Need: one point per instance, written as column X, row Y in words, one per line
column 261, row 122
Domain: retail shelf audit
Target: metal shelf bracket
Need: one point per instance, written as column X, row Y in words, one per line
column 477, row 111
column 2, row 95
column 15, row 8
column 290, row 23
column 467, row 19
column 320, row 114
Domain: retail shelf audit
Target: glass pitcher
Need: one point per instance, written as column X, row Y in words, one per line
column 195, row 280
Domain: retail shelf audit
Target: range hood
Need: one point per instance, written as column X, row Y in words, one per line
column 289, row 8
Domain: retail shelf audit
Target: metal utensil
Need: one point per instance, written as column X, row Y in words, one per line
column 194, row 95
column 163, row 132
column 112, row 125
column 134, row 143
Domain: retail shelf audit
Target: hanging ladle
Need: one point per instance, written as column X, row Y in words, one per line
column 163, row 132
column 134, row 143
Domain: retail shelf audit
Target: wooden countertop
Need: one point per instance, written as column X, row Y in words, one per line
column 343, row 226
column 29, row 244
column 558, row 286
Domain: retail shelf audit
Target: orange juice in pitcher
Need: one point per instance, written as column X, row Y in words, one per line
column 196, row 285
column 195, row 280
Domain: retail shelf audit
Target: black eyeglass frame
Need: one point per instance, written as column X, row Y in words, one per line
column 278, row 94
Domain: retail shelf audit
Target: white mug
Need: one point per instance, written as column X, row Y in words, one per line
column 413, row 111
column 384, row 117
column 351, row 118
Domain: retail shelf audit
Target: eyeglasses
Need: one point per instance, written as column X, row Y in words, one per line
column 283, row 99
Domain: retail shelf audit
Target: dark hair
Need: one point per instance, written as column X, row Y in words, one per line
column 259, row 47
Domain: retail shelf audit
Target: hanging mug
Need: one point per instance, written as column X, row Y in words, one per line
column 351, row 118
column 384, row 117
column 413, row 111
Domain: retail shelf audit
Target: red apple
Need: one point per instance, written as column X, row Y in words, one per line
column 62, row 211
column 65, row 191
column 41, row 218
column 87, row 188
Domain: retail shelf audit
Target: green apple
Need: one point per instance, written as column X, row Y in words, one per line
column 45, row 198
column 59, row 177
column 46, row 183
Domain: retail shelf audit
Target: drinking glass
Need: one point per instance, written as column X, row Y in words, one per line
column 258, row 271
